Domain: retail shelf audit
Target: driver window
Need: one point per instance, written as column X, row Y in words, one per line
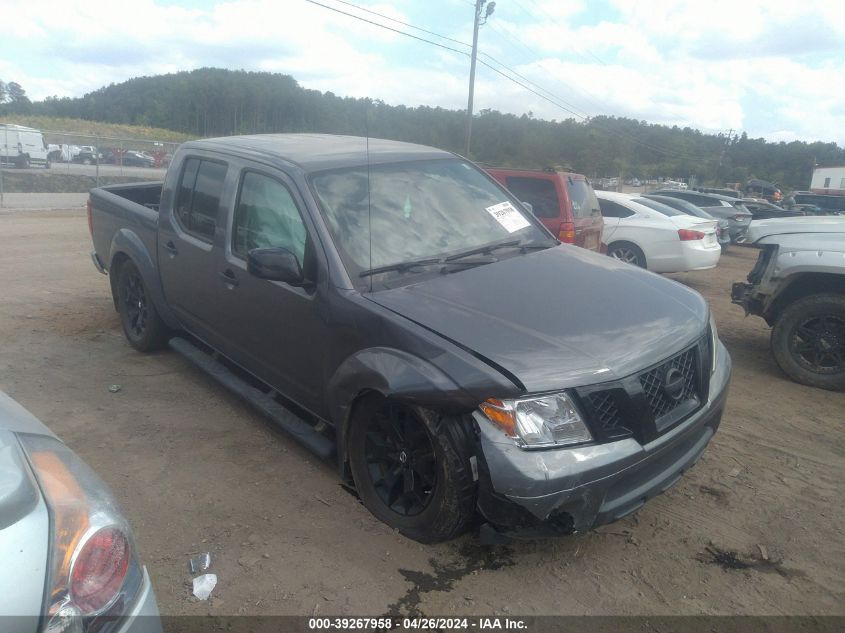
column 266, row 216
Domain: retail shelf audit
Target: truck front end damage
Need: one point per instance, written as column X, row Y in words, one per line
column 646, row 437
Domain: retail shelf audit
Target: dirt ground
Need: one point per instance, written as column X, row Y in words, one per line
column 754, row 528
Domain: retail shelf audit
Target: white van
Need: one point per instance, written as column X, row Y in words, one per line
column 23, row 146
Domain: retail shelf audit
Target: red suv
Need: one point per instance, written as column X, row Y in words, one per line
column 562, row 201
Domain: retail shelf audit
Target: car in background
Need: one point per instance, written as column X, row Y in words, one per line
column 563, row 201
column 660, row 242
column 132, row 158
column 675, row 184
column 722, row 191
column 828, row 204
column 23, row 146
column 88, row 155
column 756, row 188
column 682, row 206
column 764, row 210
column 731, row 209
column 69, row 557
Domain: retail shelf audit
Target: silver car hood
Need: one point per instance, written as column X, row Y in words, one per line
column 809, row 226
column 13, row 417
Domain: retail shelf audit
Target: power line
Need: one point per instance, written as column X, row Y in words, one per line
column 496, row 70
column 544, row 12
column 416, row 28
column 384, row 26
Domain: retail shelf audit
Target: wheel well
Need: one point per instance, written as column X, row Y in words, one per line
column 117, row 262
column 627, row 243
column 804, row 285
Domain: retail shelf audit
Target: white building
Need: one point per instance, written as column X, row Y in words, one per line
column 828, row 180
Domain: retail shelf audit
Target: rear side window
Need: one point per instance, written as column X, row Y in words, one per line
column 611, row 209
column 584, row 201
column 538, row 192
column 267, row 216
column 198, row 199
column 657, row 206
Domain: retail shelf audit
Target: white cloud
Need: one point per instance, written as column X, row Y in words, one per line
column 771, row 67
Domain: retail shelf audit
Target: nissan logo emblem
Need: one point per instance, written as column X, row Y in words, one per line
column 674, row 383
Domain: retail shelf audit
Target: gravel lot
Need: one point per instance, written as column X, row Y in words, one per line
column 754, row 528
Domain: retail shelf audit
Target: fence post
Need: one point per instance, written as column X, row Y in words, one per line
column 97, row 161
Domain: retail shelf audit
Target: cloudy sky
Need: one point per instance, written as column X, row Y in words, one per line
column 771, row 68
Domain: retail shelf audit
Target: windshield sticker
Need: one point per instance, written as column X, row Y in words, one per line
column 508, row 216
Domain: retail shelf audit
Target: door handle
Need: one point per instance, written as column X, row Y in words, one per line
column 229, row 278
column 170, row 247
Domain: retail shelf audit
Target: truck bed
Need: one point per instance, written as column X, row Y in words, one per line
column 130, row 209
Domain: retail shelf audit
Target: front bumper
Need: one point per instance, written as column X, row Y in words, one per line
column 558, row 491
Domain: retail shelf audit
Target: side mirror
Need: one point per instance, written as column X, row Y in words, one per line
column 528, row 206
column 275, row 264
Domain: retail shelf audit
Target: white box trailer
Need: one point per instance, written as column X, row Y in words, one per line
column 828, row 180
column 22, row 146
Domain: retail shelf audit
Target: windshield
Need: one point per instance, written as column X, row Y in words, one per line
column 417, row 210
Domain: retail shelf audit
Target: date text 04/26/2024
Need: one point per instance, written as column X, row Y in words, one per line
column 416, row 624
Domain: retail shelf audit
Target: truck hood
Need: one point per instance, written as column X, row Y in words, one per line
column 808, row 225
column 557, row 318
column 13, row 417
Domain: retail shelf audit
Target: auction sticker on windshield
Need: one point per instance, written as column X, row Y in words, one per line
column 507, row 215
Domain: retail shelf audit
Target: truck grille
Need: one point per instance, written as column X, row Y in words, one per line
column 652, row 382
column 647, row 404
column 607, row 413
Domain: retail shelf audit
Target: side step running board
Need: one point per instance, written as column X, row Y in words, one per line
column 297, row 428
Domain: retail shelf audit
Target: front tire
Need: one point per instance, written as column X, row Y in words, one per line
column 144, row 328
column 628, row 253
column 412, row 469
column 808, row 341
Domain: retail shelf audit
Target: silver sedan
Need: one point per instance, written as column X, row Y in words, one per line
column 69, row 558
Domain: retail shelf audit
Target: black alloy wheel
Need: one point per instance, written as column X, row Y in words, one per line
column 134, row 298
column 144, row 328
column 818, row 343
column 401, row 461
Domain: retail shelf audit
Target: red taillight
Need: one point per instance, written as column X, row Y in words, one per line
column 99, row 570
column 88, row 207
column 687, row 235
column 566, row 234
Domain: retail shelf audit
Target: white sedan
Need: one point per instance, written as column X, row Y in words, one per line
column 639, row 235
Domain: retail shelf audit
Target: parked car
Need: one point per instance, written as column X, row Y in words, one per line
column 731, row 209
column 131, row 158
column 722, row 224
column 435, row 338
column 23, row 146
column 69, row 557
column 663, row 241
column 722, row 191
column 798, row 287
column 828, row 204
column 88, row 155
column 757, row 188
column 564, row 202
column 764, row 210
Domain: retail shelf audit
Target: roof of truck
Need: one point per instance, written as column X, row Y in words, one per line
column 318, row 152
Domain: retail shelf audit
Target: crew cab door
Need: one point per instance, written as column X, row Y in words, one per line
column 186, row 249
column 272, row 329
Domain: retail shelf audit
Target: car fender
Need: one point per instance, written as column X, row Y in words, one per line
column 392, row 373
column 127, row 243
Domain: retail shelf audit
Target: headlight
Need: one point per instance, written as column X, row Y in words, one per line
column 544, row 421
column 714, row 344
column 93, row 575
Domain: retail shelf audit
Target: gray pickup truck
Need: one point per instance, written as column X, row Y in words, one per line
column 798, row 287
column 392, row 305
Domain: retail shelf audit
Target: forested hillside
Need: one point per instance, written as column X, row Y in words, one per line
column 213, row 102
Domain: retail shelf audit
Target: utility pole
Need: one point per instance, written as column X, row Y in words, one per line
column 476, row 22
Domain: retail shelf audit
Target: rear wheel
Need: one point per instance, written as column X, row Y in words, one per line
column 412, row 469
column 808, row 341
column 628, row 253
column 142, row 325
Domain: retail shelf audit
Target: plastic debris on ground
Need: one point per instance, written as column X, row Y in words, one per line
column 199, row 563
column 204, row 585
column 114, row 388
